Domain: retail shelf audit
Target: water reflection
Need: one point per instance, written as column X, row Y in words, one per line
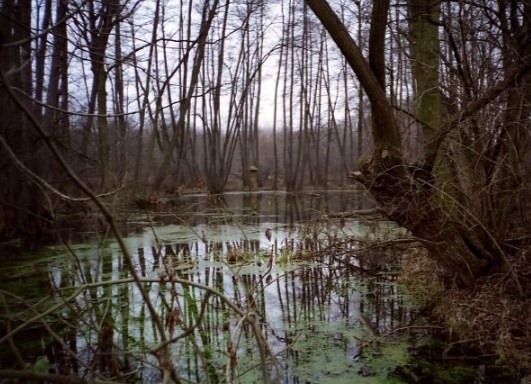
column 317, row 300
column 257, row 207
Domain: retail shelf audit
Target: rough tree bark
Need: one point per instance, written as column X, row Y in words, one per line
column 405, row 193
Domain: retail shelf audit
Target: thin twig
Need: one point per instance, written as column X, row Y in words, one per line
column 164, row 356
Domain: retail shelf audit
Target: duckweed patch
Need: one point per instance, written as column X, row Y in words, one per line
column 301, row 282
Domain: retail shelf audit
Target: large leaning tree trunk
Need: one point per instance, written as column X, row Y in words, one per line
column 408, row 194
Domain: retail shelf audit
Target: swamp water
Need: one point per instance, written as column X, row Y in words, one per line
column 246, row 288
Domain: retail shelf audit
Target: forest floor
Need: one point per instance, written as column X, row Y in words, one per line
column 487, row 325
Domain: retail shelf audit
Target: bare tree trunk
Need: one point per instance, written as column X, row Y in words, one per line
column 294, row 139
column 40, row 56
column 258, row 85
column 219, row 147
column 57, row 90
column 104, row 136
column 100, row 24
column 276, row 169
column 507, row 167
column 209, row 12
column 23, row 209
column 405, row 193
column 425, row 53
column 305, row 123
column 120, row 135
column 143, row 160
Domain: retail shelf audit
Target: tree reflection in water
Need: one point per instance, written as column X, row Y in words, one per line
column 300, row 306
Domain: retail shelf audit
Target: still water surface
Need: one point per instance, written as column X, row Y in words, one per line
column 324, row 298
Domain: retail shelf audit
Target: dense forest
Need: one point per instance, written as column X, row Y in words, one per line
column 159, row 97
column 424, row 104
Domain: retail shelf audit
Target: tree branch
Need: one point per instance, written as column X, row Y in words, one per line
column 386, row 135
column 433, row 146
